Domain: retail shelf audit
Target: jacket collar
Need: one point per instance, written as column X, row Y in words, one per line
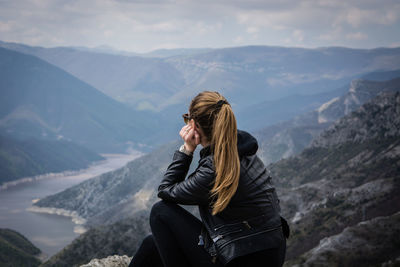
column 247, row 145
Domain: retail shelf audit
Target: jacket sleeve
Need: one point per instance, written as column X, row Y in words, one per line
column 194, row 190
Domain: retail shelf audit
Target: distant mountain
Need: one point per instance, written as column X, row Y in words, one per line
column 158, row 53
column 105, row 49
column 33, row 157
column 140, row 81
column 270, row 113
column 289, row 138
column 258, row 73
column 164, row 53
column 42, row 101
column 349, row 175
column 16, row 250
column 380, row 76
column 245, row 75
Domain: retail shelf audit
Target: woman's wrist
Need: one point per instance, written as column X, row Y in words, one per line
column 187, row 150
column 189, row 147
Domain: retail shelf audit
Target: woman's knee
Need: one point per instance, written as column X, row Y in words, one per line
column 160, row 209
column 148, row 241
column 157, row 208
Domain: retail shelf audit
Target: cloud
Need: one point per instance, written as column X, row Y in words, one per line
column 356, row 36
column 238, row 40
column 6, row 26
column 393, row 45
column 298, row 35
column 357, row 17
column 252, row 30
column 331, row 35
column 142, row 24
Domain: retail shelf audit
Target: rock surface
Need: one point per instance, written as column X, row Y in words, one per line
column 111, row 261
column 364, row 244
column 292, row 137
column 379, row 118
column 343, row 179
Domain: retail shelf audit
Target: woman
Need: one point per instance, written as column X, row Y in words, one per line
column 238, row 205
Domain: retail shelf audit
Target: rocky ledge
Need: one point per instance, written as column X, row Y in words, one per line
column 111, row 261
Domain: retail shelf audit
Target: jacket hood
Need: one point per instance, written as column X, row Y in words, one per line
column 247, row 145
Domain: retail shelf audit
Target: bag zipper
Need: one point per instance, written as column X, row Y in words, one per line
column 218, row 237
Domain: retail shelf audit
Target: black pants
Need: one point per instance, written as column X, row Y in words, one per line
column 174, row 239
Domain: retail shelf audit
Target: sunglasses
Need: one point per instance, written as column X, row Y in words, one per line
column 186, row 118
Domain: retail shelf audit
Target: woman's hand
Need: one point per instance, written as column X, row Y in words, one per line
column 190, row 136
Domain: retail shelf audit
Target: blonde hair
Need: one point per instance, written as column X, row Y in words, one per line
column 215, row 117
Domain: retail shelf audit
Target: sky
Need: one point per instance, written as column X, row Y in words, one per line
column 145, row 25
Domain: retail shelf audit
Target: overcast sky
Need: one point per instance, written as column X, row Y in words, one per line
column 145, row 25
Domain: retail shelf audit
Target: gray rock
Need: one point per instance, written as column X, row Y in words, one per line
column 111, row 261
column 379, row 118
column 280, row 141
column 365, row 244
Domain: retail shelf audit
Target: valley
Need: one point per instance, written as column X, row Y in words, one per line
column 326, row 119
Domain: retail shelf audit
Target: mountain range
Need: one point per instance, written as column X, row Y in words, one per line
column 288, row 138
column 247, row 76
column 338, row 175
column 265, row 85
column 337, row 184
column 31, row 157
column 331, row 189
column 42, row 101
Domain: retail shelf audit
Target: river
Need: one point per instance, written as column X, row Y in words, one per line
column 49, row 232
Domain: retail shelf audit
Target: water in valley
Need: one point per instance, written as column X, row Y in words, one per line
column 49, row 232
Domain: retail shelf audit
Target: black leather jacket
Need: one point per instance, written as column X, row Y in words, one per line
column 249, row 223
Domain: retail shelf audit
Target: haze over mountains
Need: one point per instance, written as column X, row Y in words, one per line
column 40, row 100
column 110, row 102
column 245, row 75
column 265, row 85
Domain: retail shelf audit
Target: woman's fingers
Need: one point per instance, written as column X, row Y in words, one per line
column 187, row 133
column 190, row 136
column 184, row 131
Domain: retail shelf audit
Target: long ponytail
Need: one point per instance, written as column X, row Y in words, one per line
column 226, row 158
column 216, row 118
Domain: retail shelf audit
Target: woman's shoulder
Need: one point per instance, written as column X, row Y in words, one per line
column 207, row 162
